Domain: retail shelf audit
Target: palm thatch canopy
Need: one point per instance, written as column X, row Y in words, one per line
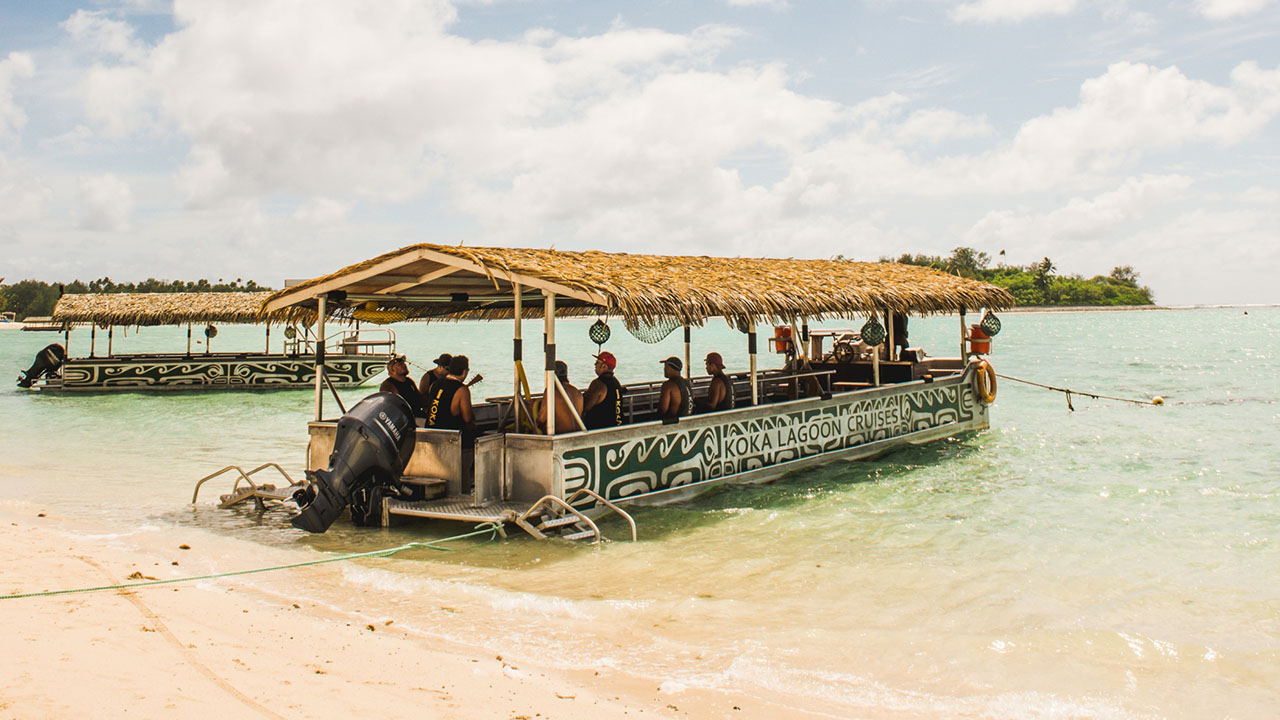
column 435, row 281
column 164, row 308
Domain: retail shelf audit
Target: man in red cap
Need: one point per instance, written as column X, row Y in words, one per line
column 602, row 405
column 719, row 391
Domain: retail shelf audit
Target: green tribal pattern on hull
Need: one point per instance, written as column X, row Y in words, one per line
column 690, row 455
column 196, row 372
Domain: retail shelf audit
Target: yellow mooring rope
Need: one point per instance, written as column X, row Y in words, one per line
column 491, row 528
column 1157, row 400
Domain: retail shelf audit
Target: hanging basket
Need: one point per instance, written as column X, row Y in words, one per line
column 873, row 332
column 210, row 331
column 599, row 332
column 990, row 324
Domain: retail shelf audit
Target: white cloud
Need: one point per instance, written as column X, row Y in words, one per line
column 1261, row 196
column 23, row 196
column 1233, row 256
column 106, row 204
column 1010, row 11
column 937, row 125
column 321, row 211
column 1130, row 110
column 775, row 4
column 97, row 33
column 1227, row 9
column 1080, row 219
column 16, row 65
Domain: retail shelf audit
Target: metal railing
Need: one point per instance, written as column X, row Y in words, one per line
column 244, row 476
column 375, row 341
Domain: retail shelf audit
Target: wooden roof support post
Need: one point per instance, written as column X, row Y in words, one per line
column 964, row 337
column 188, row 339
column 549, row 395
column 888, row 327
column 93, row 339
column 267, row 349
column 751, row 350
column 111, row 336
column 517, row 351
column 320, row 315
column 688, row 371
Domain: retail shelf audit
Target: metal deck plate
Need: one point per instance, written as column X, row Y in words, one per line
column 457, row 509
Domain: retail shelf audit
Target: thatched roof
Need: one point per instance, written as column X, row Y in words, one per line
column 163, row 308
column 426, row 281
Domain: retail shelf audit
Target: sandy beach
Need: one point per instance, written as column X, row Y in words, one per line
column 260, row 648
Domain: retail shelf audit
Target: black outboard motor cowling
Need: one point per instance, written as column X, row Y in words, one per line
column 371, row 448
column 47, row 362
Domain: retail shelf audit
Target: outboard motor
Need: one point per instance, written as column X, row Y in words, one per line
column 371, row 448
column 47, row 362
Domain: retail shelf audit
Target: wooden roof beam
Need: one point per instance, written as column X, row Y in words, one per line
column 419, row 280
column 337, row 283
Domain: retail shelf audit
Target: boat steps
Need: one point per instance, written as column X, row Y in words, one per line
column 260, row 493
column 553, row 516
column 460, row 509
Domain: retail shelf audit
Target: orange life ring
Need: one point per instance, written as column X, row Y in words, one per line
column 984, row 381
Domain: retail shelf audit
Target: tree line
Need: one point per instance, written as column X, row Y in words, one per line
column 35, row 298
column 1038, row 283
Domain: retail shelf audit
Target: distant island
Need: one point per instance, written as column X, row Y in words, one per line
column 34, row 298
column 1033, row 285
column 1036, row 285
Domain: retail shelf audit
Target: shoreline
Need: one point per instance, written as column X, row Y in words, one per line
column 300, row 642
column 1033, row 309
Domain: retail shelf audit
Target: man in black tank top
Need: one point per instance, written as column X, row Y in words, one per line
column 449, row 405
column 434, row 375
column 676, row 398
column 602, row 404
column 398, row 382
column 719, row 390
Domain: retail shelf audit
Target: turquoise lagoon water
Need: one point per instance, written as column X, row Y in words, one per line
column 1116, row 561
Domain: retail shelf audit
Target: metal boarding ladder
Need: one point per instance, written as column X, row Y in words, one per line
column 250, row 489
column 555, row 516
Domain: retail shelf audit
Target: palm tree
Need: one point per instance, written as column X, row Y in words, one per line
column 1044, row 271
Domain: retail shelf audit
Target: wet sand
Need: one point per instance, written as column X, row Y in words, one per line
column 260, row 648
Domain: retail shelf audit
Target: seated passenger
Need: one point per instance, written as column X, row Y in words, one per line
column 398, row 382
column 602, row 406
column 676, row 398
column 449, row 406
column 564, row 422
column 434, row 375
column 719, row 391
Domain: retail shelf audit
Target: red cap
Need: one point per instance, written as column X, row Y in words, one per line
column 607, row 358
column 715, row 359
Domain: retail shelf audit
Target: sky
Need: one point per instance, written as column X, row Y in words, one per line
column 282, row 139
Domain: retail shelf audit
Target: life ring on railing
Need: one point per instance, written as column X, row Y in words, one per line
column 984, row 381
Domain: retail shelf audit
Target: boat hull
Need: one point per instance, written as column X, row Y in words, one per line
column 214, row 371
column 654, row 463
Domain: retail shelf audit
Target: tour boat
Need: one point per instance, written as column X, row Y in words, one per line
column 857, row 397
column 354, row 355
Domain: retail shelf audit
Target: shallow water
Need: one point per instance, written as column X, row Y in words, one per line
column 1115, row 561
